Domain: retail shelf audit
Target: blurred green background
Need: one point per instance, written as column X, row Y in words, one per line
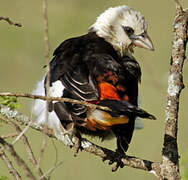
column 22, row 59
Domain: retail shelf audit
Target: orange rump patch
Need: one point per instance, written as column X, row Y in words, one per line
column 100, row 120
column 107, row 91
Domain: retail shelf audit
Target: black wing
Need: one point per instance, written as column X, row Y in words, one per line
column 68, row 67
column 129, row 75
column 77, row 63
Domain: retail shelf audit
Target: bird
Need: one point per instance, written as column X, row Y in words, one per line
column 99, row 68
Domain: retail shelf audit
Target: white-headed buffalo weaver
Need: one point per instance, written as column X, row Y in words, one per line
column 99, row 68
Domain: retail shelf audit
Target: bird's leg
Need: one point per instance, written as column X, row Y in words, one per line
column 77, row 143
column 68, row 130
column 73, row 136
column 76, row 137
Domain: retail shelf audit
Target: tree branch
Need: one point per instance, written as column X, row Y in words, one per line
column 87, row 146
column 7, row 19
column 22, row 119
column 170, row 164
column 55, row 99
column 26, row 143
column 17, row 158
column 10, row 167
column 11, row 135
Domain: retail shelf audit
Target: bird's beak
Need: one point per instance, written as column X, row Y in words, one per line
column 143, row 41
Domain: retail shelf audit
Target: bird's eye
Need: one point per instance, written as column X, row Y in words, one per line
column 129, row 31
column 143, row 35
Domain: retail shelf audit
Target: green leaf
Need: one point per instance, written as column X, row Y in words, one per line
column 9, row 101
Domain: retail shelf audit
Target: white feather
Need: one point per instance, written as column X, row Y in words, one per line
column 39, row 107
column 109, row 26
column 56, row 90
column 39, row 110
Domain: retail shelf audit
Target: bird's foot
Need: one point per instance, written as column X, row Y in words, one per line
column 72, row 138
column 117, row 159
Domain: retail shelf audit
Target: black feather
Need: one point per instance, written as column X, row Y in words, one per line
column 125, row 108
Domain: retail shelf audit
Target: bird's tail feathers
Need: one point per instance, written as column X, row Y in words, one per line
column 125, row 108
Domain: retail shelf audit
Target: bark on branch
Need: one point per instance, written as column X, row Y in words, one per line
column 86, row 145
column 49, row 99
column 170, row 163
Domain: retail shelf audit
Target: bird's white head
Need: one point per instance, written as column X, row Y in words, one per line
column 124, row 28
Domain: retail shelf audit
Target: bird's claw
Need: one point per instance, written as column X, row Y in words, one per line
column 117, row 159
column 77, row 145
column 74, row 137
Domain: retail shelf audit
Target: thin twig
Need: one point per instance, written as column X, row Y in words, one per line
column 10, row 166
column 51, row 170
column 7, row 19
column 21, row 133
column 47, row 45
column 25, row 141
column 17, row 158
column 56, row 151
column 26, row 95
column 46, row 34
column 9, row 135
column 41, row 150
column 47, row 52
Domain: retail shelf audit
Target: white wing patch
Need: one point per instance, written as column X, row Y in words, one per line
column 39, row 106
column 56, row 90
column 39, row 110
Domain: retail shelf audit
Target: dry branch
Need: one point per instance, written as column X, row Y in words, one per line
column 17, row 158
column 55, row 99
column 47, row 52
column 41, row 150
column 170, row 165
column 22, row 119
column 10, row 167
column 46, row 34
column 86, row 145
column 26, row 143
column 9, row 135
column 47, row 58
column 7, row 19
